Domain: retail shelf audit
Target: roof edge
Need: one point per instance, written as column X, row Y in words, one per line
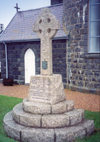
column 42, row 7
column 28, row 40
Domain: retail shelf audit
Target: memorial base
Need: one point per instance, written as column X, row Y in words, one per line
column 46, row 89
column 28, row 133
column 45, row 115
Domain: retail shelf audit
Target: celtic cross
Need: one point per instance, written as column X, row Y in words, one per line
column 46, row 27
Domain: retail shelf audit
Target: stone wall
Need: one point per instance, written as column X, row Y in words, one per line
column 59, row 58
column 83, row 68
column 53, row 2
column 2, row 59
column 16, row 52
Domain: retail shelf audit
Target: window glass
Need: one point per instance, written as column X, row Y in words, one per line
column 95, row 1
column 95, row 29
column 94, row 26
column 95, row 45
column 95, row 12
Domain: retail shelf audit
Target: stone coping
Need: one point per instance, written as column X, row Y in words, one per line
column 47, row 120
column 42, row 108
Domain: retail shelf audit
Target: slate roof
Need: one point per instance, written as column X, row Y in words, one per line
column 20, row 27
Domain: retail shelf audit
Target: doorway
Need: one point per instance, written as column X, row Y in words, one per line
column 29, row 60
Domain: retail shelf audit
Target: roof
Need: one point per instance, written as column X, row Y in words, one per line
column 20, row 27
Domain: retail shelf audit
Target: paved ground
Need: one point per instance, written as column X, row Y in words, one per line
column 81, row 100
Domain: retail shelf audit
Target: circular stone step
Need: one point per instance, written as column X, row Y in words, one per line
column 29, row 134
column 63, row 120
column 24, row 118
column 36, row 107
column 47, row 121
column 42, row 108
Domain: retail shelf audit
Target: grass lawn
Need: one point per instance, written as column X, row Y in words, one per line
column 7, row 103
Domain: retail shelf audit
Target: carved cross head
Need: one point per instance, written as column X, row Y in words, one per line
column 46, row 24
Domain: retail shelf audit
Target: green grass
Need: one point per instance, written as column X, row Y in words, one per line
column 96, row 136
column 7, row 103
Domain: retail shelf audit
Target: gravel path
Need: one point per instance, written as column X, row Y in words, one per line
column 82, row 100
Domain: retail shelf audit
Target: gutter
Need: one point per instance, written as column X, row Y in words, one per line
column 6, row 56
column 67, row 63
column 31, row 40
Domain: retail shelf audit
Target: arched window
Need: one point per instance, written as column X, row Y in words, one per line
column 94, row 26
column 29, row 60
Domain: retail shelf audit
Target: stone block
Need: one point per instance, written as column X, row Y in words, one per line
column 78, row 132
column 75, row 116
column 8, row 117
column 29, row 120
column 36, row 108
column 70, row 105
column 88, row 125
column 64, row 135
column 24, row 118
column 11, row 128
column 55, row 120
column 37, row 135
column 62, row 107
column 12, row 132
column 69, row 134
column 59, row 107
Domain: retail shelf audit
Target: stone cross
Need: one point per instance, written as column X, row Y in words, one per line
column 17, row 8
column 46, row 27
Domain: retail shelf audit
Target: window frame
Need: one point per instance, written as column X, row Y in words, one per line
column 89, row 29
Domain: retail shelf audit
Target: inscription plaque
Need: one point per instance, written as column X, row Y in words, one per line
column 44, row 65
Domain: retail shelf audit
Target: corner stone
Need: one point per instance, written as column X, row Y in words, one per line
column 89, row 126
column 75, row 116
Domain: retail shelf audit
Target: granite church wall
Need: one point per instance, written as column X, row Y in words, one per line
column 53, row 2
column 83, row 68
column 16, row 52
column 2, row 59
column 59, row 58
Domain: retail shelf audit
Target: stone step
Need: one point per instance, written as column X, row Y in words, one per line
column 29, row 134
column 42, row 108
column 47, row 120
column 26, row 119
column 61, row 120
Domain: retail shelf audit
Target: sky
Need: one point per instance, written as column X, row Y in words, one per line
column 7, row 10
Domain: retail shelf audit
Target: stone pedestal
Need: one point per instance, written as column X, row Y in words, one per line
column 45, row 115
column 46, row 89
